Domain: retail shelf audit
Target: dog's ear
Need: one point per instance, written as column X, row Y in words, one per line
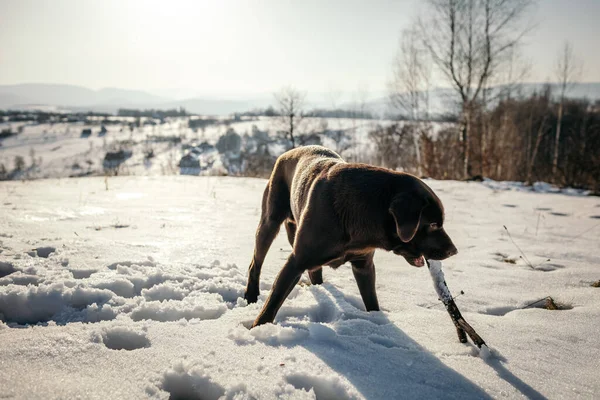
column 406, row 210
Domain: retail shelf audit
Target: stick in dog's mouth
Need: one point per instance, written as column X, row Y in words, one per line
column 441, row 288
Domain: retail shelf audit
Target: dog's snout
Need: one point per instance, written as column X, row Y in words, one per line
column 452, row 251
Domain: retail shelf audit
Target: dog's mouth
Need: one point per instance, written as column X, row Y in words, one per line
column 416, row 261
column 410, row 257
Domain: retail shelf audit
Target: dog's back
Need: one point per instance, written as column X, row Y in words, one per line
column 306, row 158
column 298, row 168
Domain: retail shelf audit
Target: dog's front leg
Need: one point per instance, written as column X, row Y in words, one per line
column 364, row 273
column 284, row 283
column 316, row 276
column 252, row 287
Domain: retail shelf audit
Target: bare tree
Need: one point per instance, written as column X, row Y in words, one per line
column 567, row 70
column 333, row 96
column 509, row 79
column 544, row 101
column 469, row 41
column 410, row 81
column 409, row 88
column 360, row 109
column 290, row 103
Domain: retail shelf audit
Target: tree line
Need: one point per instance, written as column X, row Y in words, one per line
column 501, row 133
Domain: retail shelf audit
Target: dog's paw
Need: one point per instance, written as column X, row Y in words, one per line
column 251, row 297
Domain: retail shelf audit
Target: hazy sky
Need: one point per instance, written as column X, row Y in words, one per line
column 224, row 47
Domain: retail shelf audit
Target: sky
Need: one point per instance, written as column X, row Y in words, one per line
column 229, row 48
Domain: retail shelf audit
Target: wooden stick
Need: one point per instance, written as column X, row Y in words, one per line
column 462, row 327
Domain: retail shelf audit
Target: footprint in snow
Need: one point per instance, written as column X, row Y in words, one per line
column 544, row 304
column 123, row 338
column 196, row 383
column 44, row 252
column 6, row 269
column 559, row 214
column 548, row 267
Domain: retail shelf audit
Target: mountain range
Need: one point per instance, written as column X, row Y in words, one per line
column 78, row 98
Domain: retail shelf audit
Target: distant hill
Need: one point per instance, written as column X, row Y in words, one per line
column 590, row 90
column 77, row 98
column 215, row 106
column 445, row 101
column 71, row 96
column 10, row 99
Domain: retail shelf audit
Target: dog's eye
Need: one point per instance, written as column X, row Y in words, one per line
column 434, row 226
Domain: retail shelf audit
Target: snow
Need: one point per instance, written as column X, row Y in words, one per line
column 540, row 187
column 484, row 352
column 154, row 308
column 183, row 382
column 58, row 150
column 64, row 153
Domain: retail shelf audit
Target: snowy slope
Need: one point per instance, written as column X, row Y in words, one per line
column 60, row 151
column 134, row 292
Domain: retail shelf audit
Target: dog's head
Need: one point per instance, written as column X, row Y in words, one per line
column 419, row 218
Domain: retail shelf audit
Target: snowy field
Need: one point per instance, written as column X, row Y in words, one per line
column 58, row 150
column 135, row 292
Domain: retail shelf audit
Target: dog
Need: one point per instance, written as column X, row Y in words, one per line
column 336, row 212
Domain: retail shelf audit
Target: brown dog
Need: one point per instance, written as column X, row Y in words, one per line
column 336, row 212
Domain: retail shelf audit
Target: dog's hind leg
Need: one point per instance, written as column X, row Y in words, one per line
column 316, row 276
column 364, row 273
column 275, row 208
column 306, row 258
